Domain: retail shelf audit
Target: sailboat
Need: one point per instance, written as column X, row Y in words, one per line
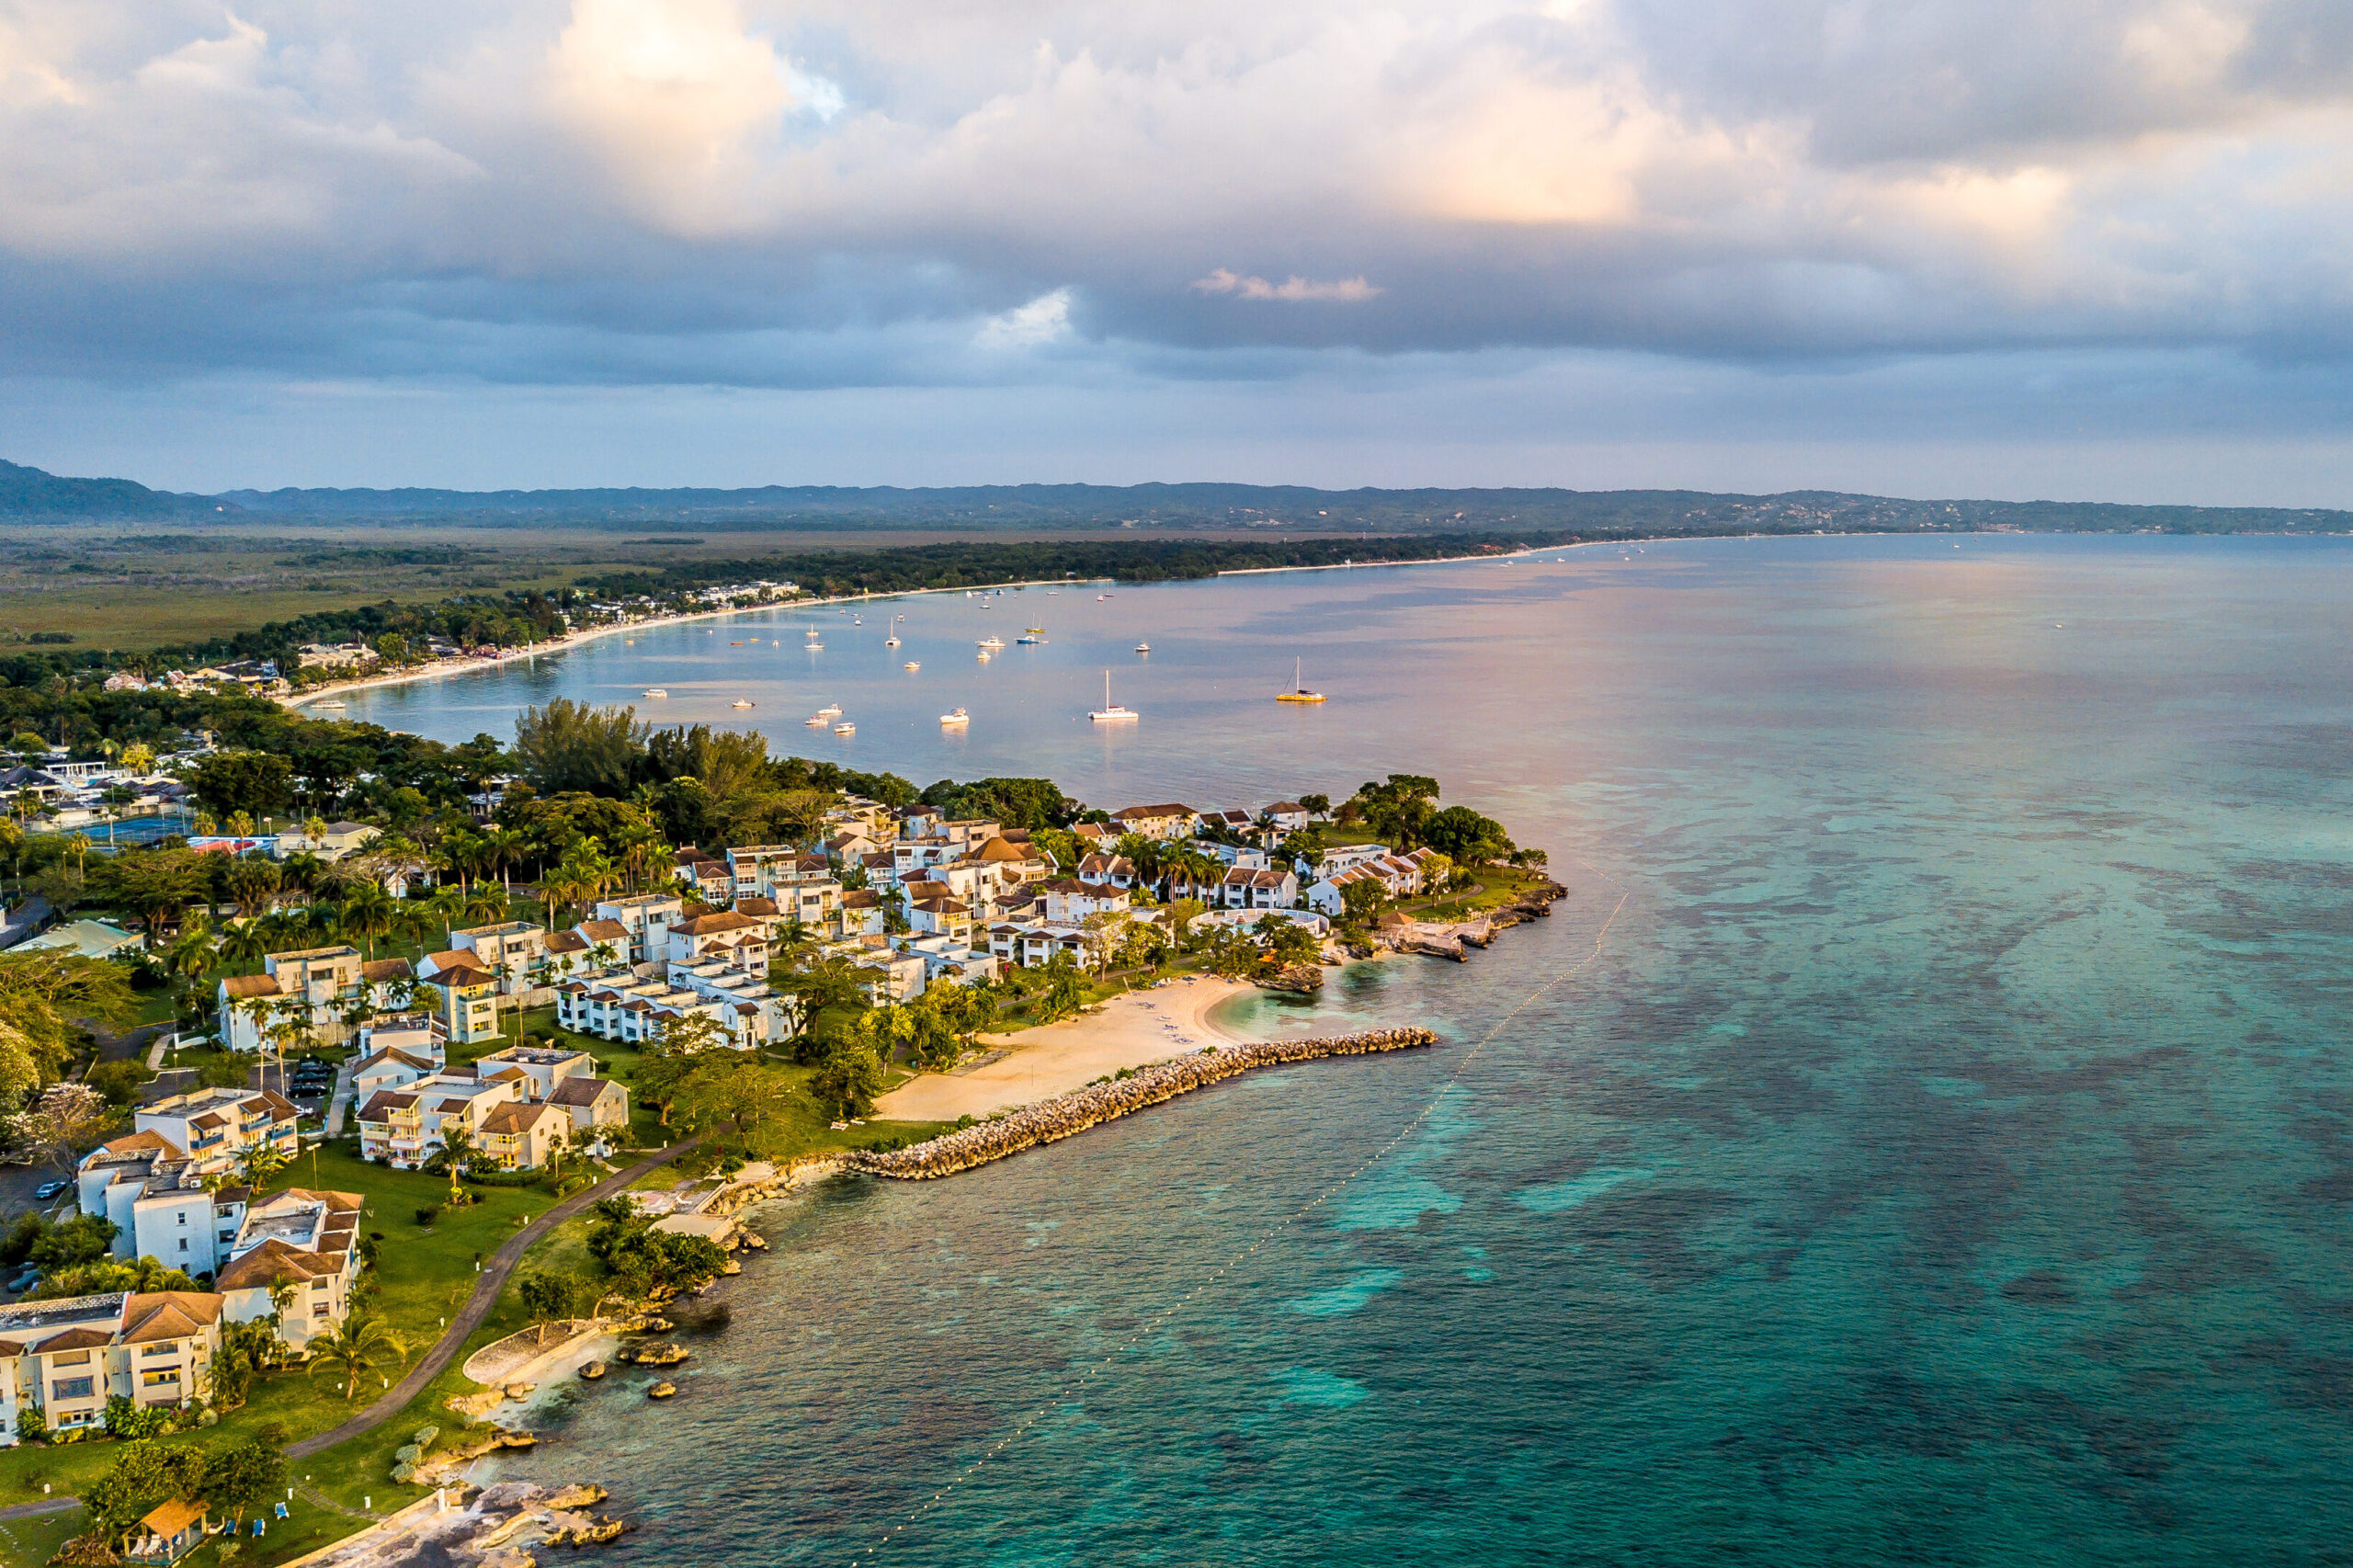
column 1111, row 712
column 958, row 717
column 1297, row 692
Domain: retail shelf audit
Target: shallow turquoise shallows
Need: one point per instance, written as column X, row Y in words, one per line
column 1943, row 1156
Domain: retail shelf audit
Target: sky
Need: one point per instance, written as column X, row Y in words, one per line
column 2082, row 249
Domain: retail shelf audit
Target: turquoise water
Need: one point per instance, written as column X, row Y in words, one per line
column 1943, row 1156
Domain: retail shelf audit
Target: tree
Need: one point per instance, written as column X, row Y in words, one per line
column 45, row 998
column 192, row 955
column 1287, row 942
column 457, row 1151
column 85, row 1238
column 67, row 1118
column 368, row 913
column 259, row 1162
column 144, row 1475
column 747, row 1093
column 658, row 1080
column 361, row 1344
column 138, row 759
column 847, row 1077
column 566, row 746
column 1182, row 912
column 1064, row 991
column 690, row 1036
column 548, row 1296
column 239, row 1479
column 253, row 883
column 1361, row 900
column 257, row 782
column 1465, row 835
column 242, row 942
column 155, row 885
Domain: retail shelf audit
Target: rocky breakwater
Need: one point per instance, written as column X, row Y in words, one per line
column 1075, row 1112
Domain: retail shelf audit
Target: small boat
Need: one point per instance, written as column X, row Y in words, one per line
column 336, row 706
column 741, row 702
column 889, row 642
column 816, row 722
column 958, row 717
column 1112, row 712
column 845, row 729
column 655, row 691
column 1297, row 692
column 991, row 642
column 739, row 644
column 1029, row 636
column 911, row 665
column 814, row 647
column 1144, row 647
column 1100, row 597
column 984, row 655
column 830, row 709
column 1035, row 631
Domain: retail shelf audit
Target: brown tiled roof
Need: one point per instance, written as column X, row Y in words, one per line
column 756, row 907
column 714, row 925
column 272, row 1261
column 384, row 1100
column 75, row 1339
column 209, row 1119
column 455, row 958
column 861, row 900
column 1000, row 848
column 456, row 975
column 168, row 1314
column 280, row 1109
column 337, row 1202
column 142, row 1143
column 1132, row 813
column 250, row 986
column 581, row 1091
column 568, row 942
column 386, row 969
column 512, row 1118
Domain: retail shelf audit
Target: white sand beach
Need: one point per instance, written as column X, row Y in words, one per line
column 1126, row 1031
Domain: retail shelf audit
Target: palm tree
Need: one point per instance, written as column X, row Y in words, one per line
column 138, row 759
column 458, row 855
column 243, row 942
column 259, row 1162
column 485, row 905
column 368, row 913
column 78, row 845
column 242, row 823
column 457, row 1151
column 357, row 1346
column 300, row 872
column 502, row 849
column 194, row 954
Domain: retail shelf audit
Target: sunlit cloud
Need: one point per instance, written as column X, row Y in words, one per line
column 1043, row 320
column 1225, row 281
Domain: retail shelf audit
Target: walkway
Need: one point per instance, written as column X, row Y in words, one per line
column 445, row 1350
column 486, row 1288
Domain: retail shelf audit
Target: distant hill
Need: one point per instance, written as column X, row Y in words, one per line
column 28, row 493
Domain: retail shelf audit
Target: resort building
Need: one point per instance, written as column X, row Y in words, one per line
column 296, row 1254
column 1163, row 822
column 307, row 995
column 646, row 921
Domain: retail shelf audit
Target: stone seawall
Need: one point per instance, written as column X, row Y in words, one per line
column 1082, row 1108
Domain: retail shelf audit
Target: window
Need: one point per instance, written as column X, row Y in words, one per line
column 169, row 1376
column 183, row 1244
column 183, row 1220
column 318, row 1309
column 72, row 1388
column 165, row 1347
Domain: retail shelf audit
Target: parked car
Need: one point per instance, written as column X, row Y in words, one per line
column 50, row 1189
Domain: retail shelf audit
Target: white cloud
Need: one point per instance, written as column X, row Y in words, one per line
column 1225, row 281
column 1044, row 320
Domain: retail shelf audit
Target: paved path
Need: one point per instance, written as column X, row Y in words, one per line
column 445, row 1350
column 486, row 1288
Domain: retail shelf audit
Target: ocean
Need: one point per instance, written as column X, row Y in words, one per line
column 1924, row 1134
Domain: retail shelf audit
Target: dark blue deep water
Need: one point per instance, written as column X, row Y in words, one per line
column 1944, row 1156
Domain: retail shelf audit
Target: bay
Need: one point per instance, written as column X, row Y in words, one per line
column 1929, row 1141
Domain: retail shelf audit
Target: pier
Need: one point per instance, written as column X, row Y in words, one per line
column 1082, row 1108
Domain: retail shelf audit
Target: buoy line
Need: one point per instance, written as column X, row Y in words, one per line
column 1151, row 1326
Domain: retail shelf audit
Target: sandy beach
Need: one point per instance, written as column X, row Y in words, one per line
column 1126, row 1031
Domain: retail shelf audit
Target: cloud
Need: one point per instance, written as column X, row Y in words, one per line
column 1225, row 281
column 1043, row 320
column 866, row 192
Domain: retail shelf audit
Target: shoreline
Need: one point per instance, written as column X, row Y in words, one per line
column 1124, row 1033
column 442, row 669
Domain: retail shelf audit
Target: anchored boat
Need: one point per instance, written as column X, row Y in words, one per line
column 958, row 717
column 1111, row 712
column 1297, row 692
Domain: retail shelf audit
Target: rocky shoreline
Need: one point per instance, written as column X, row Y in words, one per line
column 1451, row 939
column 1066, row 1115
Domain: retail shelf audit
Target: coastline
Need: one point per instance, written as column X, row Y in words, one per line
column 1124, row 1033
column 442, row 668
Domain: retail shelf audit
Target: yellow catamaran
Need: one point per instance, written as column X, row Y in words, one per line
column 1297, row 692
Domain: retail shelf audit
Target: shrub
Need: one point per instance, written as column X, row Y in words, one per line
column 408, row 1453
column 427, row 1215
column 32, row 1426
column 423, row 1436
column 403, row 1474
column 125, row 1420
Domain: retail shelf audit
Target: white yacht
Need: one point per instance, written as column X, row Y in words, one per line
column 741, row 702
column 1112, row 712
column 958, row 717
column 334, row 705
column 992, row 643
column 911, row 666
column 845, row 728
column 889, row 642
column 655, row 691
column 1144, row 647
column 816, row 722
column 830, row 709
